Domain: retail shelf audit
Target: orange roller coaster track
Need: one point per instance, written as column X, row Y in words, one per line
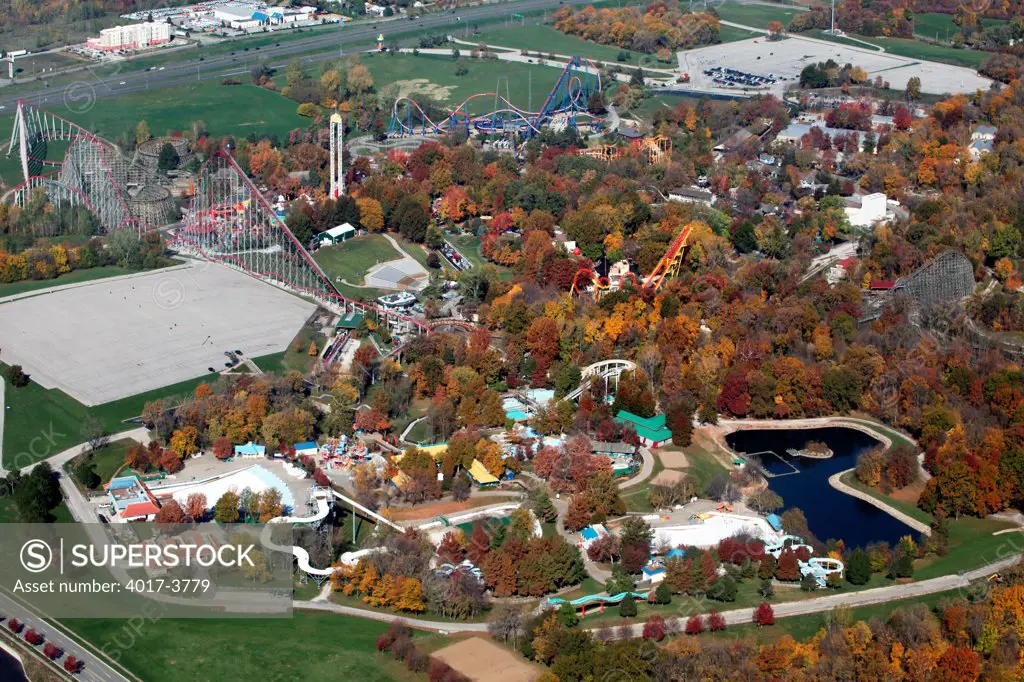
column 667, row 267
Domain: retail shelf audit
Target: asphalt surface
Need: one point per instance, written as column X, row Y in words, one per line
column 93, row 668
column 362, row 37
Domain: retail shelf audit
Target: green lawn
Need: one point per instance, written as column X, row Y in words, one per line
column 802, row 628
column 308, row 646
column 435, row 75
column 469, row 246
column 971, row 545
column 757, row 16
column 73, row 277
column 109, row 459
column 419, row 433
column 42, row 422
column 226, row 110
column 548, row 39
column 352, row 259
column 941, row 27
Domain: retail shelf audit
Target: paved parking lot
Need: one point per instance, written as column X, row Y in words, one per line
column 785, row 59
column 113, row 339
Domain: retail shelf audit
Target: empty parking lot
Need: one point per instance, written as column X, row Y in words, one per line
column 114, row 338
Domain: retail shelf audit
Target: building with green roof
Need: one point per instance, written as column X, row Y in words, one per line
column 652, row 430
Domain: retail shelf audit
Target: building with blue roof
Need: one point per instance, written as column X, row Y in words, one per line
column 307, row 447
column 250, row 449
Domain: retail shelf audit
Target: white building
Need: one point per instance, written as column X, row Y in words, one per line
column 131, row 37
column 872, row 209
column 692, row 195
column 241, row 16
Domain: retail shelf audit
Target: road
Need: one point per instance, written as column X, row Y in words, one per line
column 318, row 46
column 94, row 670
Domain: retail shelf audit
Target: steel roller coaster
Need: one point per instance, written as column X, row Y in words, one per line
column 565, row 105
column 587, row 279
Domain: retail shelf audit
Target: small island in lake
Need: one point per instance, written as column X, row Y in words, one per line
column 812, row 450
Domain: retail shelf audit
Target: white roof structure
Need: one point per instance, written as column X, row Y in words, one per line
column 344, row 228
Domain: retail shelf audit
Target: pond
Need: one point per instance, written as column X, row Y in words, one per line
column 803, row 482
column 10, row 668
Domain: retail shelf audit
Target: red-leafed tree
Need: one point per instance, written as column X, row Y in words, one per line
column 716, row 621
column 222, row 448
column 33, row 637
column 695, row 624
column 171, row 512
column 733, row 398
column 14, row 625
column 479, row 544
column 371, row 420
column 51, row 650
column 545, row 462
column 196, row 506
column 764, row 615
column 72, row 664
column 605, row 548
column 577, row 516
column 958, row 664
column 789, row 567
column 655, row 628
column 450, row 551
column 171, row 462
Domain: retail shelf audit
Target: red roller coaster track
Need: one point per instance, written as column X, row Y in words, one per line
column 668, row 266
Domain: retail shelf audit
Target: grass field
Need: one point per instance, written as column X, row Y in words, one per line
column 435, row 75
column 548, row 39
column 757, row 16
column 226, row 110
column 308, row 646
column 941, row 27
column 351, row 260
column 42, row 422
column 73, row 277
column 802, row 628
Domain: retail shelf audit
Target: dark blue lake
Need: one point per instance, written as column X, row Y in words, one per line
column 10, row 668
column 830, row 513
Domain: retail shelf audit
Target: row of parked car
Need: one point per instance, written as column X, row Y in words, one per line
column 723, row 75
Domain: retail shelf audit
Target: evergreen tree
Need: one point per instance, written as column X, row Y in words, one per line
column 858, row 567
column 627, row 607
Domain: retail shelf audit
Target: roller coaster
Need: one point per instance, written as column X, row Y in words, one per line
column 654, row 149
column 587, row 279
column 565, row 106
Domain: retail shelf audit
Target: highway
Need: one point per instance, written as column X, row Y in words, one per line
column 361, row 38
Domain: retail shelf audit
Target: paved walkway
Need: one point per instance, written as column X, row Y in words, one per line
column 3, row 411
column 917, row 525
column 645, row 469
column 878, row 595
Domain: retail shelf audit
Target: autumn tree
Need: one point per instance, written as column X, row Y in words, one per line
column 764, row 615
column 196, row 506
column 226, row 509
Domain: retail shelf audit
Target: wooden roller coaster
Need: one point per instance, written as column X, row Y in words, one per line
column 667, row 267
column 654, row 149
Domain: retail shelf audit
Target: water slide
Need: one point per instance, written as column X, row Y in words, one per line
column 597, row 599
column 322, row 497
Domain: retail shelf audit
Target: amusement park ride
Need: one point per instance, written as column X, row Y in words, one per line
column 565, row 106
column 655, row 149
column 587, row 279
